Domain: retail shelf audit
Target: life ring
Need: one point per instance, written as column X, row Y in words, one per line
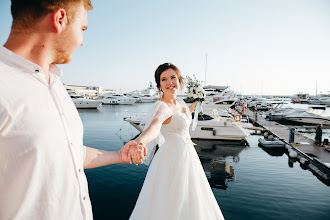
column 237, row 118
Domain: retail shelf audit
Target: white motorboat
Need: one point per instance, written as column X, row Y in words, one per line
column 315, row 101
column 300, row 98
column 279, row 113
column 313, row 115
column 110, row 100
column 218, row 97
column 325, row 101
column 117, row 99
column 147, row 98
column 81, row 102
column 213, row 92
column 208, row 127
column 218, row 129
column 220, row 105
column 144, row 98
column 260, row 105
column 148, row 95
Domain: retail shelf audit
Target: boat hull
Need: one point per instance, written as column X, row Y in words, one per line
column 309, row 120
column 271, row 144
column 87, row 104
column 219, row 130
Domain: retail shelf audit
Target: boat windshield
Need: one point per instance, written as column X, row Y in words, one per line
column 315, row 110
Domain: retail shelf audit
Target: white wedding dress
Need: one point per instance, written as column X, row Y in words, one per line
column 176, row 186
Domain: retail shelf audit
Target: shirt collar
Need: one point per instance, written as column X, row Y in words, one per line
column 25, row 65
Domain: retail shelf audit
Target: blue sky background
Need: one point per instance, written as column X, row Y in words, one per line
column 277, row 47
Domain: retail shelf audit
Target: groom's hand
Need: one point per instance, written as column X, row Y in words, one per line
column 141, row 151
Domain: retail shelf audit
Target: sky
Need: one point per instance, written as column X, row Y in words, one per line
column 257, row 47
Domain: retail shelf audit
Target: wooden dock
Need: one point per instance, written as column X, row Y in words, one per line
column 314, row 156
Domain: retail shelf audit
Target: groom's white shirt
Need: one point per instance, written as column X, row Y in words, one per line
column 41, row 145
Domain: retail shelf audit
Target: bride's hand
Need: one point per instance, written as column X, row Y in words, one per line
column 192, row 107
column 143, row 149
column 137, row 153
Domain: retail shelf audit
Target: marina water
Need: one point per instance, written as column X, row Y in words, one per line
column 248, row 182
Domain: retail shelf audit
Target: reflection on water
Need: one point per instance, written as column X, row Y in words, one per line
column 215, row 157
column 257, row 184
column 273, row 151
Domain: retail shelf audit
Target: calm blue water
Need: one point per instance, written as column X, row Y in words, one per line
column 248, row 182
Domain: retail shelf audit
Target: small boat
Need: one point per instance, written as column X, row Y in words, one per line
column 274, row 143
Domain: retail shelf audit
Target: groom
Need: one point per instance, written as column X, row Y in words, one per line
column 42, row 157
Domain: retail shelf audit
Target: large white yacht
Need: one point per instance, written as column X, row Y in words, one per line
column 148, row 95
column 81, row 102
column 117, row 99
column 208, row 127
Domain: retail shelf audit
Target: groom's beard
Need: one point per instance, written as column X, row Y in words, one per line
column 61, row 55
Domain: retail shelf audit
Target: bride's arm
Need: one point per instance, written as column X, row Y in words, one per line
column 145, row 137
column 151, row 132
column 192, row 107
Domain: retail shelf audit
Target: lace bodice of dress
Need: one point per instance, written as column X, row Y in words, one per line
column 179, row 126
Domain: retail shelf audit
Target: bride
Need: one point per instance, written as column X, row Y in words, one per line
column 175, row 186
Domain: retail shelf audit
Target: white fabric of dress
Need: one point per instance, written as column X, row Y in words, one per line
column 176, row 186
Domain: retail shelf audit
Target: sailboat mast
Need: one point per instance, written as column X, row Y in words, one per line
column 205, row 68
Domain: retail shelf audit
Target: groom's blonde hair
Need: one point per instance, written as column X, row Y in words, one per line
column 26, row 13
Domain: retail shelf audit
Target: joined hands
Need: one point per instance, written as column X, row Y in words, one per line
column 136, row 153
column 133, row 152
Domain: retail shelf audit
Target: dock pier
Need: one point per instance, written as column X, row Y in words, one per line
column 309, row 155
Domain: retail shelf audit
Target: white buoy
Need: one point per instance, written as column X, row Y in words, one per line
column 303, row 160
column 293, row 154
column 287, row 146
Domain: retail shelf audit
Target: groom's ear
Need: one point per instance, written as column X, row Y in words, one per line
column 59, row 19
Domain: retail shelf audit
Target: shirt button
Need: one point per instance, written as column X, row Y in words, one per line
column 37, row 71
column 79, row 170
column 84, row 198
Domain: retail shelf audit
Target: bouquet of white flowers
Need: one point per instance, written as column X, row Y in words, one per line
column 195, row 90
column 195, row 93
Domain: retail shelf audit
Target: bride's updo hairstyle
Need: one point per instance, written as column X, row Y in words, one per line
column 164, row 67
